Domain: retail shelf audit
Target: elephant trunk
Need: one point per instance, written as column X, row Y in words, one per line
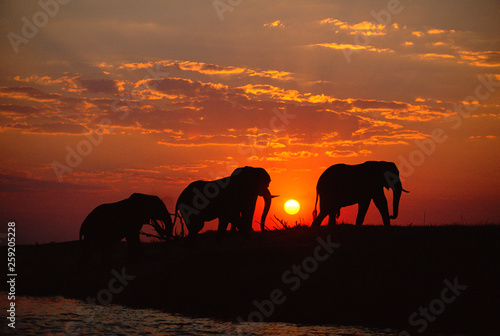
column 397, row 189
column 267, row 205
column 168, row 226
column 164, row 226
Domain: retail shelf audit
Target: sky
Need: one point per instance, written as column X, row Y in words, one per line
column 100, row 99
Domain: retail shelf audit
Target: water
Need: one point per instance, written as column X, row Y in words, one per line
column 61, row 316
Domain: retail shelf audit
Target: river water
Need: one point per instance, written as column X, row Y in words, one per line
column 61, row 316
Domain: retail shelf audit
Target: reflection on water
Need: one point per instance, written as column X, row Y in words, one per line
column 60, row 316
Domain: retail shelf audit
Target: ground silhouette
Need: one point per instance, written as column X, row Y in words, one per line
column 378, row 276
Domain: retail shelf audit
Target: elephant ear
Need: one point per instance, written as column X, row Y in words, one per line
column 240, row 179
column 249, row 179
column 139, row 204
column 242, row 174
column 389, row 174
column 137, row 198
column 241, row 171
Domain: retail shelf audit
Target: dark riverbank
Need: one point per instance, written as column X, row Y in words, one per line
column 377, row 277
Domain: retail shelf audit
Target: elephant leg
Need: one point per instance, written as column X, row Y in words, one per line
column 84, row 253
column 194, row 226
column 362, row 209
column 247, row 212
column 381, row 204
column 133, row 245
column 332, row 217
column 106, row 254
column 318, row 220
column 221, row 229
column 223, row 224
column 235, row 223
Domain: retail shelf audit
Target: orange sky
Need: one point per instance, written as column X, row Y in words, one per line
column 100, row 100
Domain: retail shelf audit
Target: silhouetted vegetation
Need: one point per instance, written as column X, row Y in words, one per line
column 281, row 224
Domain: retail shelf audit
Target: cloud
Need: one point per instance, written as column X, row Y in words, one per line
column 187, row 113
column 211, row 69
column 377, row 104
column 481, row 58
column 285, row 156
column 306, row 127
column 198, row 114
column 343, row 46
column 30, row 93
column 136, row 178
column 436, row 56
column 50, row 128
column 438, row 31
column 69, row 83
column 198, row 142
column 207, row 68
column 272, row 92
column 192, row 168
column 275, row 74
column 18, row 109
column 432, row 31
column 45, row 80
column 99, row 86
column 275, row 24
column 347, row 153
column 179, row 87
column 364, row 27
column 59, row 128
column 16, row 183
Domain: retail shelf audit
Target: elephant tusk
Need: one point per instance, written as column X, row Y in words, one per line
column 273, row 196
column 406, row 191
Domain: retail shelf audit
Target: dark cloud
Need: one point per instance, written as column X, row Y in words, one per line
column 59, row 127
column 28, row 92
column 375, row 104
column 12, row 183
column 34, row 94
column 186, row 87
column 50, row 128
column 18, row 109
column 99, row 86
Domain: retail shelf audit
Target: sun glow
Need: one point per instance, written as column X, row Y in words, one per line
column 292, row 207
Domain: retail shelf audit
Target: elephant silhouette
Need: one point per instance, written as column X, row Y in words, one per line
column 342, row 185
column 231, row 199
column 110, row 223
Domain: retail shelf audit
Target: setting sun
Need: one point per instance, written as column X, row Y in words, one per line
column 292, row 207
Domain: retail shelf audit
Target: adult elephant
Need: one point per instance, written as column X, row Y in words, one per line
column 343, row 185
column 110, row 223
column 231, row 199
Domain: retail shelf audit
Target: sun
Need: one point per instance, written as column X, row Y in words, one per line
column 292, row 207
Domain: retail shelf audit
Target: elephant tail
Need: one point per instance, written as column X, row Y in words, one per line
column 82, row 230
column 315, row 212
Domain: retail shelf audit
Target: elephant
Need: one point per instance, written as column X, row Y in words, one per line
column 230, row 199
column 342, row 185
column 110, row 223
